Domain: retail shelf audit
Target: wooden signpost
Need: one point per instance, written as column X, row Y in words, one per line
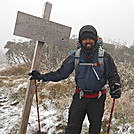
column 44, row 31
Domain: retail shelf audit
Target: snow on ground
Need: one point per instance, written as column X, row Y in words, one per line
column 53, row 120
column 3, row 66
column 9, row 113
column 11, row 110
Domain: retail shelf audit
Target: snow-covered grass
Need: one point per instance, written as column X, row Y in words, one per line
column 54, row 102
column 4, row 66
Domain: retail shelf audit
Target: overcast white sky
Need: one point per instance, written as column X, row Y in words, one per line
column 113, row 19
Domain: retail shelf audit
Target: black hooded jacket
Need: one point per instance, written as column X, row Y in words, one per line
column 85, row 77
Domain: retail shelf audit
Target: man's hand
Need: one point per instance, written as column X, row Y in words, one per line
column 115, row 91
column 35, row 75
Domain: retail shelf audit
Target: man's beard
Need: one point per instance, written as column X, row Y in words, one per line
column 87, row 47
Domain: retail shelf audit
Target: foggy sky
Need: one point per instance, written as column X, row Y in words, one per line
column 113, row 19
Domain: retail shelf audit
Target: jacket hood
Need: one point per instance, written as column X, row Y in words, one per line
column 87, row 28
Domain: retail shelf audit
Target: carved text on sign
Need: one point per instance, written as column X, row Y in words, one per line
column 42, row 30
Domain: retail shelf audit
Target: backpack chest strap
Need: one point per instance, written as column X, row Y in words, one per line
column 90, row 64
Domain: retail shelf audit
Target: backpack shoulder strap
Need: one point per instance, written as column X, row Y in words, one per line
column 101, row 57
column 77, row 55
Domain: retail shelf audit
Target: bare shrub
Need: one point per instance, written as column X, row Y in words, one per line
column 16, row 70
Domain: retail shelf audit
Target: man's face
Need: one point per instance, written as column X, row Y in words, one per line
column 88, row 43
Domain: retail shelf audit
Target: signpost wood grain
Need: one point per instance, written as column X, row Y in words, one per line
column 42, row 30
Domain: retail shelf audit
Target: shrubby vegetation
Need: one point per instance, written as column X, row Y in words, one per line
column 59, row 94
column 121, row 53
column 52, row 57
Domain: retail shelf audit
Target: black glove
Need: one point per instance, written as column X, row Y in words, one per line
column 35, row 75
column 115, row 91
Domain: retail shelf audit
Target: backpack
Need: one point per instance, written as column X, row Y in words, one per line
column 100, row 58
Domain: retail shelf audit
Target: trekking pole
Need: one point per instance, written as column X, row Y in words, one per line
column 108, row 129
column 36, row 91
